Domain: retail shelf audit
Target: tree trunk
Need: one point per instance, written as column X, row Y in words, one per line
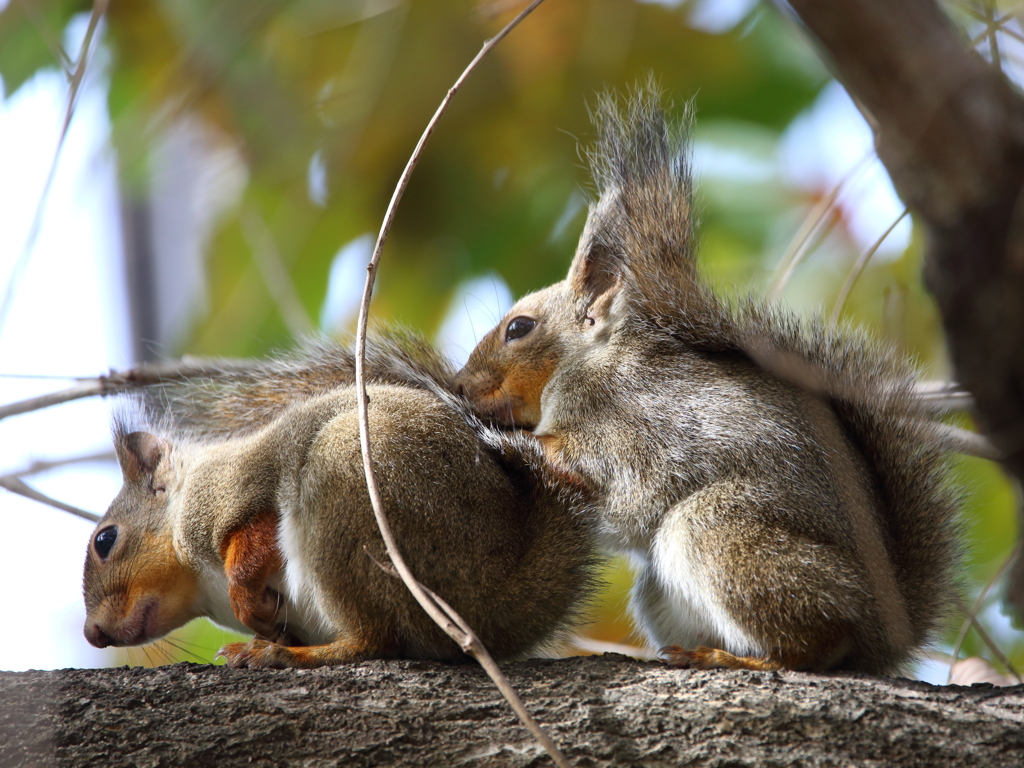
column 950, row 130
column 602, row 711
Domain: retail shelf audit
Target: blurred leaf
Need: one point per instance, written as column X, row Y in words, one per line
column 30, row 37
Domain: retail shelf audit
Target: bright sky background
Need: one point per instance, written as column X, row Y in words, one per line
column 67, row 319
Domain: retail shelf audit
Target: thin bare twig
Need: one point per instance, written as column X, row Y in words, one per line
column 436, row 608
column 16, row 485
column 118, row 382
column 12, row 482
column 99, row 8
column 992, row 25
column 858, row 267
column 985, row 12
column 972, row 620
column 807, row 235
column 275, row 274
column 45, row 465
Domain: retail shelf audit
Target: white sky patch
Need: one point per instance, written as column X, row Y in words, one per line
column 476, row 307
column 345, row 283
column 316, row 179
column 731, row 163
column 68, row 318
column 828, row 142
column 718, row 16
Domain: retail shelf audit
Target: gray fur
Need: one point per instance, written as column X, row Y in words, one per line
column 768, row 477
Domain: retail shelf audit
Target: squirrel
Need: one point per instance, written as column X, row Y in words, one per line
column 244, row 501
column 769, row 479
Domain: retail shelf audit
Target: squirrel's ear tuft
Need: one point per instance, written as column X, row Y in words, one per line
column 639, row 233
column 595, row 276
column 139, row 454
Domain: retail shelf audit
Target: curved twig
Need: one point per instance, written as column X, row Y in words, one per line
column 436, row 608
column 858, row 267
column 971, row 619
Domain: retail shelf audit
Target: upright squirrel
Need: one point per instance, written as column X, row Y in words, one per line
column 244, row 501
column 772, row 525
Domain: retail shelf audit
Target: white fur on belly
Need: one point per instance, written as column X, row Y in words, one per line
column 304, row 596
column 673, row 601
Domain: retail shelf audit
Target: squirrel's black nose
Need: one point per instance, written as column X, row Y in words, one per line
column 460, row 390
column 96, row 636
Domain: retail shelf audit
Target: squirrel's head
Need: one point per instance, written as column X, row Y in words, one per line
column 506, row 374
column 136, row 587
column 635, row 261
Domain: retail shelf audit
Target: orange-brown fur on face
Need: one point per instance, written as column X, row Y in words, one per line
column 140, row 593
column 142, row 590
column 505, row 379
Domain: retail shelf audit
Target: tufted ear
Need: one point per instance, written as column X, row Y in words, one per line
column 595, row 275
column 140, row 455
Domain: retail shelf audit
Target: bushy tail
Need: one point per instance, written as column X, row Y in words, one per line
column 871, row 391
column 241, row 398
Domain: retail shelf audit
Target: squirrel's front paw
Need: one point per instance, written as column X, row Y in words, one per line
column 680, row 658
column 256, row 654
column 713, row 658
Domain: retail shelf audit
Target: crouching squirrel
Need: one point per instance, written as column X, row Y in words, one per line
column 244, row 501
column 772, row 524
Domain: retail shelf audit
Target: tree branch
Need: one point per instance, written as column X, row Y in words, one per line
column 608, row 711
column 950, row 131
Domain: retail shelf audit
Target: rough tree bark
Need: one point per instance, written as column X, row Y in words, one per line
column 603, row 711
column 950, row 130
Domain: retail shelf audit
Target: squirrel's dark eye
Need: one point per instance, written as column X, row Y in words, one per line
column 519, row 327
column 104, row 541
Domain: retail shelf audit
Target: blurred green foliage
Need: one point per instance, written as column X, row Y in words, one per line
column 350, row 84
